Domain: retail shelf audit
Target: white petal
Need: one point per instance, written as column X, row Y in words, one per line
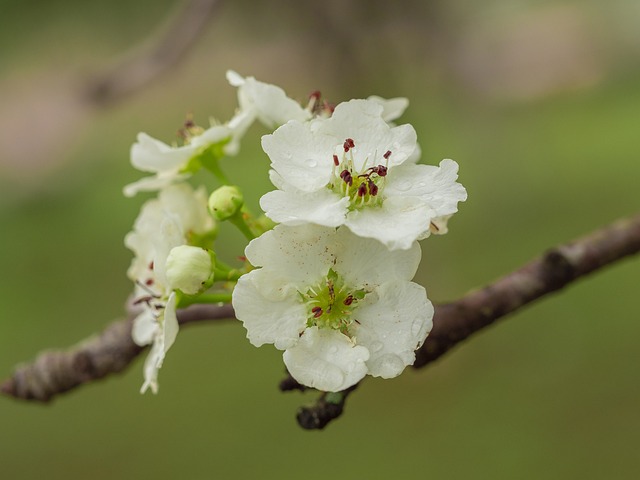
column 154, row 183
column 367, row 262
column 170, row 323
column 234, row 78
column 326, row 360
column 294, row 207
column 301, row 254
column 210, row 136
column 304, row 160
column 145, row 327
column 361, row 121
column 151, row 155
column 436, row 186
column 269, row 102
column 278, row 321
column 151, row 365
column 398, row 223
column 392, row 108
column 392, row 323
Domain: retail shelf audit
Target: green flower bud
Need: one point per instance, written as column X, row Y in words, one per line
column 225, row 202
column 190, row 269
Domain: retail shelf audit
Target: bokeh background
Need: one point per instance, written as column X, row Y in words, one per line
column 539, row 102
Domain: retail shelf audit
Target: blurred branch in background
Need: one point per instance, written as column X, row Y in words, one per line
column 53, row 373
column 161, row 52
column 58, row 105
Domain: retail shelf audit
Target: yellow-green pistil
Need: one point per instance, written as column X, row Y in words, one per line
column 331, row 303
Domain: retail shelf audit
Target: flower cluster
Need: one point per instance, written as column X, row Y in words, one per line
column 327, row 276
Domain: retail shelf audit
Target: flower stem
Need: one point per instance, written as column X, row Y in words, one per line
column 210, row 161
column 243, row 220
column 205, row 298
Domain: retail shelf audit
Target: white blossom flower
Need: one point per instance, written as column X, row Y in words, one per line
column 170, row 164
column 355, row 169
column 175, row 218
column 341, row 306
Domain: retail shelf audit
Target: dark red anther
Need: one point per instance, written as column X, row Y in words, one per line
column 381, row 170
column 346, row 176
column 328, row 107
column 387, row 155
column 148, row 282
column 336, row 162
column 348, row 144
column 362, row 190
column 315, row 95
column 373, row 188
column 317, row 311
column 188, row 123
column 349, row 300
column 151, row 265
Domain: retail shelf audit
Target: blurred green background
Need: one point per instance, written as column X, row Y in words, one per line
column 538, row 101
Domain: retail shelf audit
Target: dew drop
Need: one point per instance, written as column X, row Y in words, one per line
column 391, row 365
column 333, row 350
column 403, row 186
column 311, row 163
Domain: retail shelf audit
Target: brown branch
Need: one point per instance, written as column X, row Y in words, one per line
column 53, row 373
column 58, row 371
column 164, row 50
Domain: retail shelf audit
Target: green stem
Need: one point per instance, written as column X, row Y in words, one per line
column 210, row 161
column 227, row 274
column 242, row 220
column 205, row 298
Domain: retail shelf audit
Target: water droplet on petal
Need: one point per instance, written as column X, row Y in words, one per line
column 403, row 186
column 333, row 349
column 310, row 162
column 376, row 347
column 390, row 366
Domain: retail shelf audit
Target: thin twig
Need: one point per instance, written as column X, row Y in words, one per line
column 53, row 373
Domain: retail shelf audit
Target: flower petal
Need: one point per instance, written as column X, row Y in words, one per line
column 326, row 360
column 436, row 186
column 269, row 102
column 365, row 261
column 144, row 328
column 151, row 155
column 397, row 223
column 293, row 207
column 392, row 323
column 302, row 158
column 301, row 254
column 361, row 120
column 392, row 108
column 268, row 320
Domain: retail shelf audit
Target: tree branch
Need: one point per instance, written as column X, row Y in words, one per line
column 56, row 372
column 162, row 51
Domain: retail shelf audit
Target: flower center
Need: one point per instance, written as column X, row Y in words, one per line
column 363, row 185
column 331, row 303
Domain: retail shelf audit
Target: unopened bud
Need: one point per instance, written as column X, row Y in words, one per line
column 189, row 268
column 225, row 202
